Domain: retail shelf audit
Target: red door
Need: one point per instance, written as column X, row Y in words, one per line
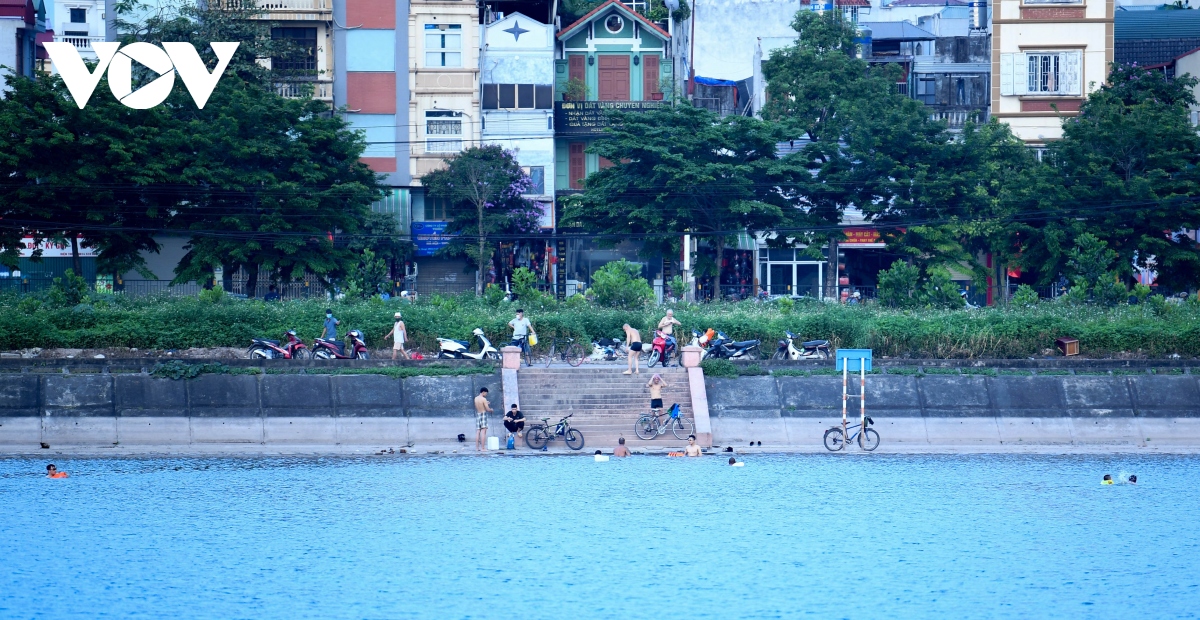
column 577, row 165
column 575, row 70
column 614, row 78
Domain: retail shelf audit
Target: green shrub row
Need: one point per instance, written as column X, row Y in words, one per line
column 164, row 323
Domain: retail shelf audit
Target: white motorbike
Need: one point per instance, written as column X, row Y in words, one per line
column 811, row 349
column 449, row 348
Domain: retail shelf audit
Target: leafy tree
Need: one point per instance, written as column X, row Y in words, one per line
column 680, row 169
column 1091, row 265
column 899, row 285
column 1130, row 169
column 483, row 186
column 369, row 278
column 620, row 284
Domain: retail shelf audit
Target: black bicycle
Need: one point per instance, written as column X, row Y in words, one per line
column 868, row 439
column 526, row 353
column 570, row 352
column 538, row 435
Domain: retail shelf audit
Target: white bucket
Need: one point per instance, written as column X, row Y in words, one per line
column 493, row 443
column 601, row 458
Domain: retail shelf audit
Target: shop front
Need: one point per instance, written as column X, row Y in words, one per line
column 789, row 272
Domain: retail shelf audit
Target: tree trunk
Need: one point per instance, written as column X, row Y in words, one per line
column 251, row 279
column 76, row 261
column 720, row 241
column 482, row 260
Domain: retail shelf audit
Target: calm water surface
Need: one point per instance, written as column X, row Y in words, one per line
column 545, row 537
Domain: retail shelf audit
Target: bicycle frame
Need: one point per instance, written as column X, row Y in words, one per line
column 664, row 425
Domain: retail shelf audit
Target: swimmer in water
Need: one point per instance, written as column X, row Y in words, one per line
column 1132, row 479
column 52, row 472
column 621, row 451
column 692, row 448
column 1107, row 479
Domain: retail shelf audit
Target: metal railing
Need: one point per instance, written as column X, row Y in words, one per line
column 80, row 42
column 273, row 5
column 321, row 90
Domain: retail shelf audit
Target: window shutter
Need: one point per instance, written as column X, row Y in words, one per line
column 1006, row 74
column 1021, row 74
column 1072, row 81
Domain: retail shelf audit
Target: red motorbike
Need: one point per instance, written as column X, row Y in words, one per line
column 353, row 348
column 662, row 349
column 293, row 349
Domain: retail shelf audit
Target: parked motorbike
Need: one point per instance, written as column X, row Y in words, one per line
column 461, row 349
column 662, row 348
column 293, row 349
column 811, row 349
column 353, row 348
column 702, row 339
column 723, row 347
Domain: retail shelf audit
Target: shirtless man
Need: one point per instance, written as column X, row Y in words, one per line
column 621, row 450
column 633, row 340
column 667, row 323
column 692, row 448
column 52, row 472
column 656, row 386
column 482, row 408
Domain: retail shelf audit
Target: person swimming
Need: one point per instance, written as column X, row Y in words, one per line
column 1132, row 478
column 52, row 472
column 1107, row 479
column 734, row 463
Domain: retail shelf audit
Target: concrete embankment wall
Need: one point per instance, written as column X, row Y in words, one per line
column 138, row 409
column 1149, row 410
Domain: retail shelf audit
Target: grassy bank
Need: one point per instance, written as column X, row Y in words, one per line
column 1149, row 330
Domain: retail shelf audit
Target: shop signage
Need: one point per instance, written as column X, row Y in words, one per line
column 54, row 249
column 429, row 237
column 857, row 236
column 589, row 118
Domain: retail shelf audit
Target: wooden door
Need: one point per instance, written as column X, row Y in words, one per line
column 614, row 78
column 649, row 76
column 577, row 164
column 575, row 69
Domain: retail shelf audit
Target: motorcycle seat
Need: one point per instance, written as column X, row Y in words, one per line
column 743, row 344
column 264, row 340
column 812, row 344
column 462, row 342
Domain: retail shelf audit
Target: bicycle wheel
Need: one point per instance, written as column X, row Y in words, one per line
column 681, row 428
column 536, row 437
column 646, row 427
column 834, row 440
column 550, row 358
column 868, row 440
column 574, row 439
column 574, row 354
column 528, row 354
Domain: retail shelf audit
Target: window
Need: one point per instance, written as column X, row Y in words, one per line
column 614, row 24
column 576, row 165
column 1041, row 73
column 435, row 209
column 926, row 90
column 537, row 178
column 443, row 45
column 78, row 16
column 300, row 58
column 518, row 97
column 443, row 131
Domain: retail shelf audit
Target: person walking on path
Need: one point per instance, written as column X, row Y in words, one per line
column 666, row 325
column 401, row 335
column 482, row 408
column 522, row 328
column 656, row 386
column 331, row 325
column 633, row 341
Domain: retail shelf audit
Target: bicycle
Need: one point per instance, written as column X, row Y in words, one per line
column 538, row 435
column 651, row 425
column 572, row 352
column 523, row 342
column 867, row 440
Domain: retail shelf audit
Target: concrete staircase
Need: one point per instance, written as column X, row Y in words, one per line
column 605, row 402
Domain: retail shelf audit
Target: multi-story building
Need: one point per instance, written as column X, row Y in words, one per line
column 81, row 23
column 20, row 23
column 443, row 47
column 1047, row 55
column 308, row 26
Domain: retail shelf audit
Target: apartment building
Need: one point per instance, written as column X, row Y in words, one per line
column 1047, row 55
column 308, row 25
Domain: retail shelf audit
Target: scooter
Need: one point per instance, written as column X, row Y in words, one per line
column 811, row 349
column 338, row 350
column 293, row 349
column 461, row 349
column 725, row 348
column 662, row 348
column 702, row 340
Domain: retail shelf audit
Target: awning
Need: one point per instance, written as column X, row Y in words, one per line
column 714, row 82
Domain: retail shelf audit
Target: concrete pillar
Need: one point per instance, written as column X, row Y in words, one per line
column 691, row 356
column 512, row 357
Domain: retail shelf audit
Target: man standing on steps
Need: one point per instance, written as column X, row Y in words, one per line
column 482, row 408
column 633, row 341
column 656, row 386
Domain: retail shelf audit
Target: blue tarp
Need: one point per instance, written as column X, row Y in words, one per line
column 714, row 82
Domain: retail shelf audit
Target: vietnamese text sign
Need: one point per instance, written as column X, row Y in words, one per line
column 429, row 237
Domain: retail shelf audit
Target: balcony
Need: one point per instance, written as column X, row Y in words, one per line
column 322, row 90
column 957, row 116
column 587, row 118
column 81, row 43
column 273, row 7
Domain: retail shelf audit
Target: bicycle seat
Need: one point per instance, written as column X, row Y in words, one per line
column 816, row 343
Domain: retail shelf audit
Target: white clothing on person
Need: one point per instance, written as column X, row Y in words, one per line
column 520, row 327
column 398, row 331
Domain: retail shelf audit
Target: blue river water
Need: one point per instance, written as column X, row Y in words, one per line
column 825, row 536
